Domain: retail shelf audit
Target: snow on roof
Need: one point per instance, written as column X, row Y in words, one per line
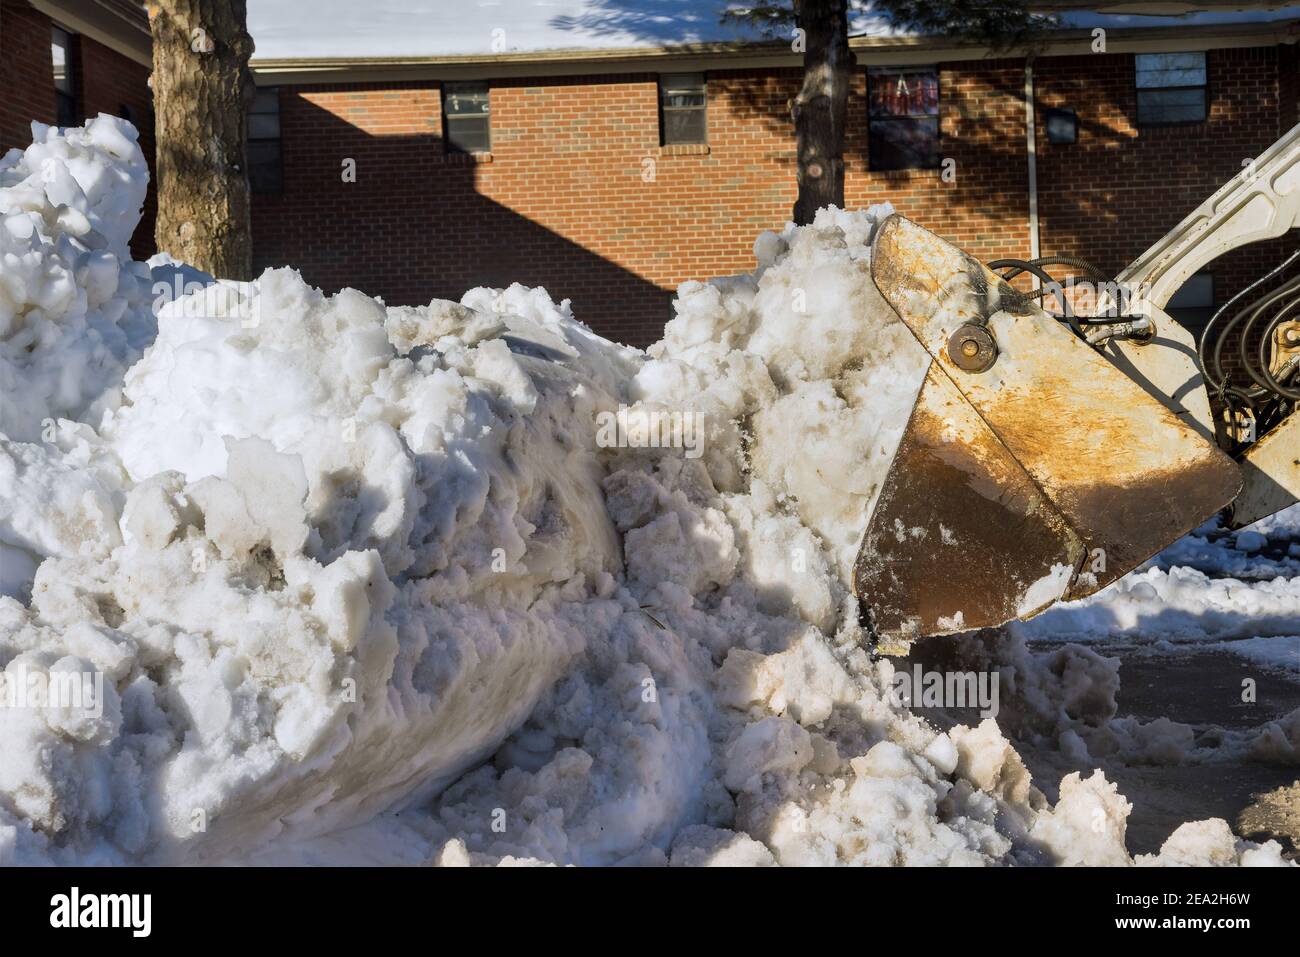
column 292, row 29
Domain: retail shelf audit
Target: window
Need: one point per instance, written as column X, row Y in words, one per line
column 1062, row 126
column 265, row 171
column 1193, row 304
column 1170, row 88
column 65, row 78
column 903, row 118
column 466, row 122
column 683, row 108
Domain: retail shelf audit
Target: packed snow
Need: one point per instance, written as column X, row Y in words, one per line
column 362, row 583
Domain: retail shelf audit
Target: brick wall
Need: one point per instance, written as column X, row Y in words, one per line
column 418, row 224
column 109, row 82
column 568, row 200
column 106, row 83
column 26, row 73
column 1120, row 187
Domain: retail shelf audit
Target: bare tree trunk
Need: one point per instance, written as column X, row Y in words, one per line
column 202, row 89
column 820, row 109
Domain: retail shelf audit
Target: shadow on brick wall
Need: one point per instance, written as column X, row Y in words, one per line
column 413, row 227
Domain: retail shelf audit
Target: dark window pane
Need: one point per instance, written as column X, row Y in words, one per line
column 66, row 107
column 264, row 115
column 465, row 121
column 264, row 173
column 911, row 143
column 468, row 134
column 266, row 101
column 61, row 57
column 1170, row 88
column 684, row 126
column 1156, row 70
column 683, row 101
column 66, row 110
column 465, row 99
column 263, row 126
column 682, row 82
column 904, row 93
column 1170, row 106
column 1062, row 126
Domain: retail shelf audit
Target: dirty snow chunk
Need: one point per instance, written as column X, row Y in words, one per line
column 55, row 500
column 988, row 761
column 942, row 753
column 770, row 744
column 260, row 503
column 453, row 854
column 691, row 549
column 1042, row 593
column 1088, row 823
column 702, row 846
column 74, row 309
column 1211, row 843
column 1248, row 541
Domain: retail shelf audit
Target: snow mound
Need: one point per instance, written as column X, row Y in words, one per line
column 308, row 560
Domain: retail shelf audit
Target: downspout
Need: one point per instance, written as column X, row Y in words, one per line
column 1031, row 156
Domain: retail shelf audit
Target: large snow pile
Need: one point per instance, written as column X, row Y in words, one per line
column 326, row 558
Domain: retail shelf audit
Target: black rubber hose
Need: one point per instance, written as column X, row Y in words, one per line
column 1081, row 264
column 1251, row 314
column 1203, row 344
column 1017, row 266
column 1265, row 339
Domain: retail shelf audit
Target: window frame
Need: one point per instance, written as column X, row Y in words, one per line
column 664, row 81
column 1061, row 112
column 875, row 72
column 261, row 188
column 449, row 147
column 69, row 99
column 1139, row 123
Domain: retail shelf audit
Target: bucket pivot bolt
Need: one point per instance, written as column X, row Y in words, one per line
column 972, row 348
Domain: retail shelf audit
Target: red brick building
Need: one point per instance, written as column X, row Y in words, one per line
column 388, row 174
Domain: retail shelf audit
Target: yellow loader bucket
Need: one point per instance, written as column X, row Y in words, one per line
column 1032, row 469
